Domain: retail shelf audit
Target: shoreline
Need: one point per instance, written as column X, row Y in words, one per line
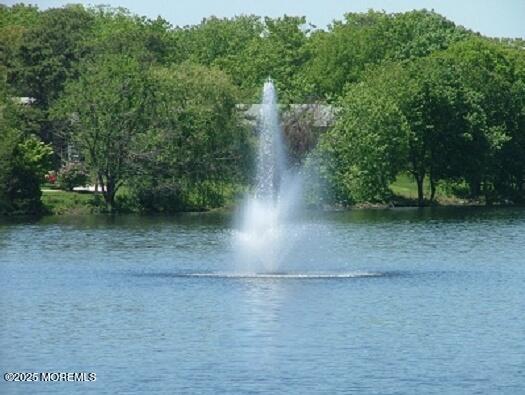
column 57, row 203
column 230, row 210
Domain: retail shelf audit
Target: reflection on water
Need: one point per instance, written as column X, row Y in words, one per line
column 396, row 301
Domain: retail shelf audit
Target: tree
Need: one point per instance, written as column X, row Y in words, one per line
column 23, row 163
column 445, row 121
column 342, row 54
column 279, row 52
column 50, row 52
column 105, row 111
column 15, row 21
column 46, row 54
column 196, row 148
column 216, row 40
column 117, row 31
column 24, row 160
column 495, row 73
column 367, row 147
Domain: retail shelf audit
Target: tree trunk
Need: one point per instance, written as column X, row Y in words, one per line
column 420, row 194
column 108, row 191
column 100, row 182
column 109, row 196
column 475, row 187
column 489, row 194
column 432, row 190
column 418, row 171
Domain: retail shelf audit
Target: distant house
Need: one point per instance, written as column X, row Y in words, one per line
column 24, row 100
column 322, row 115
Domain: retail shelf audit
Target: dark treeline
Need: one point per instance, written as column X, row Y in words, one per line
column 151, row 109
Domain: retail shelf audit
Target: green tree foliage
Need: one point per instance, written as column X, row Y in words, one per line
column 195, row 148
column 341, row 54
column 50, row 51
column 441, row 113
column 250, row 50
column 24, row 160
column 462, row 113
column 367, row 147
column 279, row 52
column 117, row 31
column 15, row 21
column 155, row 106
column 23, row 163
column 105, row 111
column 44, row 57
column 215, row 40
column 495, row 74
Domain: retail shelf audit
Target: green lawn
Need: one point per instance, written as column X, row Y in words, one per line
column 405, row 187
column 58, row 202
column 62, row 202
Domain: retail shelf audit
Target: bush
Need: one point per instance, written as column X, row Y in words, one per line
column 72, row 175
column 23, row 163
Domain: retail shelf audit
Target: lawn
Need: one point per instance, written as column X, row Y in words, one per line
column 59, row 202
column 405, row 188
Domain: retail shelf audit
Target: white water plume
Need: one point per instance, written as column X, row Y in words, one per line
column 265, row 232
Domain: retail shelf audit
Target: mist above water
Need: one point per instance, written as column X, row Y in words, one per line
column 266, row 232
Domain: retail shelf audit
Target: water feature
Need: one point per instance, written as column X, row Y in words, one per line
column 266, row 232
column 271, row 158
column 443, row 313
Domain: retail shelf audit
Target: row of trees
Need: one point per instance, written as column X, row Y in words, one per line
column 456, row 117
column 152, row 107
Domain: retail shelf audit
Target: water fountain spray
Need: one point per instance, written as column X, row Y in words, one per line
column 263, row 239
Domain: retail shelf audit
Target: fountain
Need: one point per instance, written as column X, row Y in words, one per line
column 271, row 160
column 265, row 234
column 269, row 229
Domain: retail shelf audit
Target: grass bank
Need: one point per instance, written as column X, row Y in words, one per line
column 405, row 193
column 57, row 202
column 404, row 188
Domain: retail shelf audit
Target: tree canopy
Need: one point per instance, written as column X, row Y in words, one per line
column 153, row 107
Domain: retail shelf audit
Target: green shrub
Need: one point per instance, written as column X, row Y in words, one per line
column 72, row 175
column 23, row 163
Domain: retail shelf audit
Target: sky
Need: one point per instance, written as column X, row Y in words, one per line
column 496, row 18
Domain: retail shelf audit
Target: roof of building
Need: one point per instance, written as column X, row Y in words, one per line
column 323, row 114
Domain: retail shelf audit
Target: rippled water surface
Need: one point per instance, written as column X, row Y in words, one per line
column 391, row 302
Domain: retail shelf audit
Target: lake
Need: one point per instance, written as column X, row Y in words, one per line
column 403, row 301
